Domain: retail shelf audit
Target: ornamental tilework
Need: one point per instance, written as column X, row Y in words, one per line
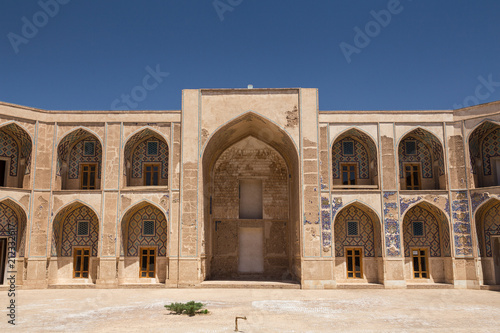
column 326, row 221
column 366, row 231
column 13, row 219
column 436, row 146
column 76, row 157
column 135, row 239
column 491, row 227
column 69, row 237
column 360, row 157
column 474, row 142
column 68, row 142
column 9, row 149
column 490, row 147
column 140, row 156
column 391, row 225
column 423, row 157
column 461, row 223
column 23, row 139
column 136, row 139
column 431, row 236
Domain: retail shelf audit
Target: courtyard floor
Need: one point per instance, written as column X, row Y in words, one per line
column 266, row 310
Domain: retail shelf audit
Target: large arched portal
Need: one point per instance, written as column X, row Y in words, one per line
column 488, row 234
column 251, row 210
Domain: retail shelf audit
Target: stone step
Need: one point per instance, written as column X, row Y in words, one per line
column 429, row 286
column 249, row 284
column 360, row 286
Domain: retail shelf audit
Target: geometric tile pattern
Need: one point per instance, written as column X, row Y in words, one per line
column 474, row 142
column 391, row 224
column 491, row 226
column 67, row 220
column 431, row 236
column 13, row 218
column 22, row 139
column 134, row 140
column 490, row 147
column 360, row 157
column 140, row 156
column 77, row 156
column 8, row 148
column 135, row 237
column 423, row 157
column 437, row 148
column 365, row 236
column 69, row 141
column 326, row 221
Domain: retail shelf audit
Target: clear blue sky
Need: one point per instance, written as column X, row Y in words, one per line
column 429, row 56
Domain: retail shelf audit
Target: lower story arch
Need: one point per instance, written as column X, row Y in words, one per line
column 488, row 235
column 358, row 247
column 427, row 246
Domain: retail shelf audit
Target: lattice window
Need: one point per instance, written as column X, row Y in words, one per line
column 82, row 228
column 152, row 149
column 418, row 228
column 89, row 148
column 352, row 228
column 411, row 148
column 348, row 148
column 148, row 228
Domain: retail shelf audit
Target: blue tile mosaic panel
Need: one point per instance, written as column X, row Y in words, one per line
column 461, row 223
column 391, row 224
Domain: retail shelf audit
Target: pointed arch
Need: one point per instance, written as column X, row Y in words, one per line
column 487, row 220
column 484, row 153
column 369, row 229
column 437, row 234
column 16, row 145
column 252, row 139
column 72, row 153
column 131, row 229
column 64, row 229
column 358, row 167
column 136, row 155
column 428, row 156
column 13, row 217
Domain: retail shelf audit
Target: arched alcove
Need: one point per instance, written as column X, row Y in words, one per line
column 487, row 220
column 421, row 161
column 15, row 156
column 484, row 151
column 251, row 158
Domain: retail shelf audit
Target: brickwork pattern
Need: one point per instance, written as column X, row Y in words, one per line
column 9, row 149
column 140, row 156
column 360, row 157
column 423, row 157
column 431, row 236
column 69, row 237
column 17, row 221
column 491, row 227
column 490, row 147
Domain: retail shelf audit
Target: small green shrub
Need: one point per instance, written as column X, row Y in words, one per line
column 190, row 308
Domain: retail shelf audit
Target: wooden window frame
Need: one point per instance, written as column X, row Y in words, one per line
column 147, row 271
column 347, row 228
column 88, row 234
column 6, row 171
column 81, row 271
column 426, row 258
column 145, row 165
column 93, row 143
column 342, row 165
column 354, row 272
column 82, row 172
column 157, row 148
column 419, row 171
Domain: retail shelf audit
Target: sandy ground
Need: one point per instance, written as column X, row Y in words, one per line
column 142, row 310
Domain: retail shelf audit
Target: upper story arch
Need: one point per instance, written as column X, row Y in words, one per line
column 484, row 152
column 421, row 161
column 146, row 157
column 15, row 155
column 79, row 160
column 354, row 160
